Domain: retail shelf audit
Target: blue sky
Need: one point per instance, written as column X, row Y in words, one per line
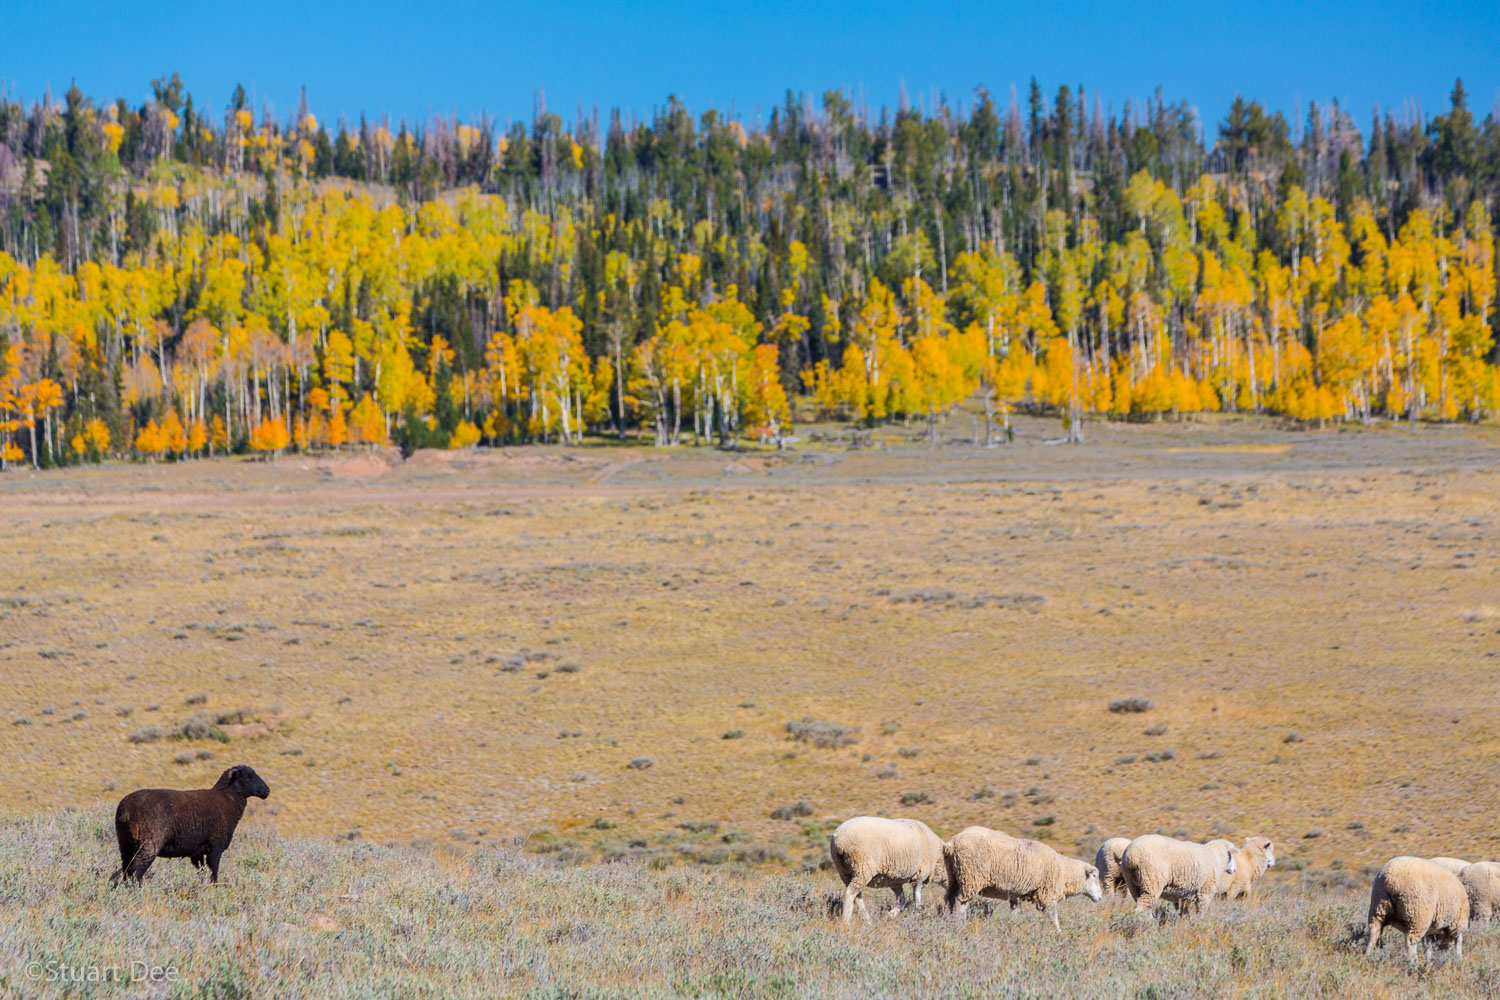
column 413, row 60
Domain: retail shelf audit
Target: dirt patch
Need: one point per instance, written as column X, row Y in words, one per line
column 248, row 730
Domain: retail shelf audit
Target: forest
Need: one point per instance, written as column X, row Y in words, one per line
column 177, row 283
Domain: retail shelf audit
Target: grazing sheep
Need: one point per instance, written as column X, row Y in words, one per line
column 1251, row 861
column 1158, row 867
column 1107, row 860
column 1454, row 865
column 1424, row 899
column 985, row 862
column 197, row 824
column 884, row 854
column 1482, row 883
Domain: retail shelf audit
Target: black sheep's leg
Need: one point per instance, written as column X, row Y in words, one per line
column 127, row 854
column 140, row 862
column 214, row 854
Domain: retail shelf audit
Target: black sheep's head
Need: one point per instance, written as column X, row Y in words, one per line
column 243, row 779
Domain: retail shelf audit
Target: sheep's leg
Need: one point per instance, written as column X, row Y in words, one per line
column 916, row 892
column 853, row 893
column 1052, row 914
column 1458, row 946
column 1146, row 899
column 213, row 864
column 141, row 861
column 1413, row 938
column 895, row 911
column 1374, row 931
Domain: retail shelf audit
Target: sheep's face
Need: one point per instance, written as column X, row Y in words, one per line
column 1270, row 850
column 244, row 780
column 1091, row 887
column 1229, row 865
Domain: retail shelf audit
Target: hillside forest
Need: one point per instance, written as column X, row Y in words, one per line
column 176, row 282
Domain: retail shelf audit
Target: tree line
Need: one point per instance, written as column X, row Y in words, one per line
column 178, row 283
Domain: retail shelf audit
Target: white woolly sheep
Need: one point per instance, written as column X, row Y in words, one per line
column 1481, row 882
column 1107, row 860
column 1223, row 878
column 879, row 853
column 1158, row 867
column 1424, row 899
column 1454, row 865
column 1251, row 861
column 985, row 862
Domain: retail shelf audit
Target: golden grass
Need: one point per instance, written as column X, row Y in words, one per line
column 1297, row 605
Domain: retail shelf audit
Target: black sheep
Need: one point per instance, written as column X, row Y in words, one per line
column 198, row 823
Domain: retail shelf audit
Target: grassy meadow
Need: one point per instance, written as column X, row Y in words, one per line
column 308, row 918
column 577, row 722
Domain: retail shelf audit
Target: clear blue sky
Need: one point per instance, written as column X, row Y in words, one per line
column 415, row 59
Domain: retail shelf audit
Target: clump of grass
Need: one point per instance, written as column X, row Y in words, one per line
column 890, row 728
column 827, row 735
column 793, row 810
column 1157, row 756
column 1293, row 737
column 981, row 793
column 914, row 798
column 200, row 726
column 733, row 734
column 1125, row 758
column 909, row 752
column 146, row 734
column 1157, row 730
column 186, row 757
column 1132, row 704
column 640, row 763
column 20, row 720
column 196, row 699
column 569, row 667
column 888, row 771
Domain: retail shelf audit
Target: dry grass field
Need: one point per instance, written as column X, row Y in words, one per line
column 476, row 646
column 594, row 654
column 313, row 918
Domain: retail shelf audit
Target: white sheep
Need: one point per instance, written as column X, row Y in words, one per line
column 1251, row 861
column 985, row 862
column 1454, row 865
column 879, row 853
column 1424, row 899
column 1223, row 878
column 1107, row 860
column 1158, row 867
column 1481, row 882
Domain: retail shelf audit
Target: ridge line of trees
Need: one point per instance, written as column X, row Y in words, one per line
column 174, row 283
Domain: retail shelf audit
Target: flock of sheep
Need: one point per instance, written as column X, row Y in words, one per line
column 1431, row 900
